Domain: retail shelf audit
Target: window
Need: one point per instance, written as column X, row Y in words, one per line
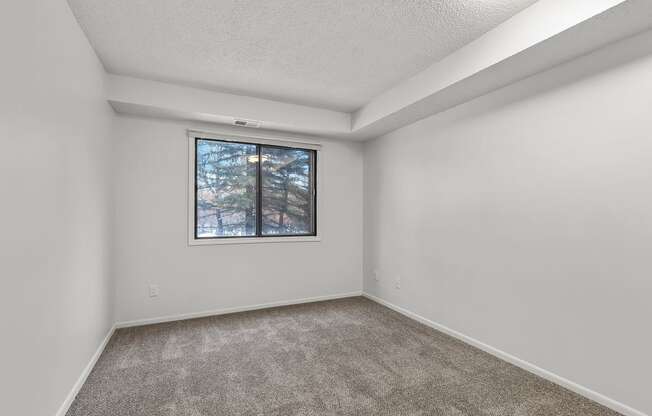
column 244, row 190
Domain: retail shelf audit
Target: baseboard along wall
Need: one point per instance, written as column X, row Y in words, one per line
column 63, row 409
column 224, row 311
column 527, row 366
column 577, row 388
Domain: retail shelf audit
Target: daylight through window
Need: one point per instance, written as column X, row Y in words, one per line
column 253, row 190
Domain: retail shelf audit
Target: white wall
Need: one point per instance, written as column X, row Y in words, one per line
column 151, row 180
column 55, row 291
column 524, row 220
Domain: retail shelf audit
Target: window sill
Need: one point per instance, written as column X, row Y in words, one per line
column 253, row 240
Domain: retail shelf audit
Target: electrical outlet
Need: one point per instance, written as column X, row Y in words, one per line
column 376, row 276
column 397, row 282
column 153, row 291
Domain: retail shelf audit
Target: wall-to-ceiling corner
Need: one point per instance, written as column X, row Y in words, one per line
column 55, row 146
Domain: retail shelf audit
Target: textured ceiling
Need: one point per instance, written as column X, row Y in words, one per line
column 328, row 53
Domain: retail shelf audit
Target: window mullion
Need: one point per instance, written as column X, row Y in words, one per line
column 259, row 194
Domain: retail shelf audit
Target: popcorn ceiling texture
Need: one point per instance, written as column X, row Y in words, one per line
column 345, row 357
column 327, row 53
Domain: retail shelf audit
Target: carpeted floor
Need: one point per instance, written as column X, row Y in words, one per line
column 343, row 357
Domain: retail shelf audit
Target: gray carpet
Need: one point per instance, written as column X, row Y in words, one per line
column 343, row 357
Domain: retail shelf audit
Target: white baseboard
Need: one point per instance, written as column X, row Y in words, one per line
column 84, row 375
column 570, row 385
column 180, row 317
column 89, row 367
column 586, row 392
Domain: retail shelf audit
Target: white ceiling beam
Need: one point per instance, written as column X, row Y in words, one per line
column 542, row 36
column 159, row 99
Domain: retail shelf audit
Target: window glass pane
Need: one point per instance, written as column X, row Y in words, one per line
column 226, row 189
column 287, row 198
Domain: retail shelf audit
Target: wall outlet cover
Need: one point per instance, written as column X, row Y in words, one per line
column 153, row 291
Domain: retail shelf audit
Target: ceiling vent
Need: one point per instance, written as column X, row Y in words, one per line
column 247, row 123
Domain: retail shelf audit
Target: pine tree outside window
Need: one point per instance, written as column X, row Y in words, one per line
column 244, row 190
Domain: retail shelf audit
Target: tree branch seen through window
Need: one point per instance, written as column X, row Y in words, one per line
column 253, row 190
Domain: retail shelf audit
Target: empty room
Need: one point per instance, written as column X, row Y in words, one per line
column 326, row 207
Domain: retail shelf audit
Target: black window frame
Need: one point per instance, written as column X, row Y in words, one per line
column 259, row 191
